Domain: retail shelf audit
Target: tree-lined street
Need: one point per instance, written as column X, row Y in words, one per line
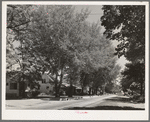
column 53, row 49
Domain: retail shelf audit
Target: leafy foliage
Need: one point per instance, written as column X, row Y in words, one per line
column 126, row 24
column 135, row 72
column 59, row 40
column 130, row 21
column 112, row 88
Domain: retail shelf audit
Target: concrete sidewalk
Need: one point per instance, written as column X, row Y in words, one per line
column 24, row 102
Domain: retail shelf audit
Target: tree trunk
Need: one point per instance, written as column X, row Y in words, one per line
column 141, row 89
column 23, row 83
column 89, row 91
column 92, row 91
column 70, row 91
column 56, row 82
column 56, row 90
column 104, row 88
column 22, row 87
column 82, row 91
column 96, row 90
column 61, row 78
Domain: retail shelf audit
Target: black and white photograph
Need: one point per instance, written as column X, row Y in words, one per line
column 75, row 60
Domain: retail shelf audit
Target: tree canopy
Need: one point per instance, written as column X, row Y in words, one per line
column 59, row 40
column 134, row 72
column 126, row 24
column 129, row 20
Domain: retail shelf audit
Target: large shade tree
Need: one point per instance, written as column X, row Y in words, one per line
column 126, row 24
column 64, row 40
column 135, row 73
column 130, row 20
column 20, row 64
column 56, row 39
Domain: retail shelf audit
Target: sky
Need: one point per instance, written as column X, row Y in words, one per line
column 96, row 13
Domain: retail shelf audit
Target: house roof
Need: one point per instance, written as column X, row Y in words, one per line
column 52, row 80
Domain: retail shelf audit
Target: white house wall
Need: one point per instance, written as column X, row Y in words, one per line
column 12, row 91
column 43, row 87
column 44, row 76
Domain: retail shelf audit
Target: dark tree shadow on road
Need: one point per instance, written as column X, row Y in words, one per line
column 119, row 99
column 123, row 99
column 106, row 105
column 104, row 108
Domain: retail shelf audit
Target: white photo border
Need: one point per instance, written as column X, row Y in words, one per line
column 72, row 114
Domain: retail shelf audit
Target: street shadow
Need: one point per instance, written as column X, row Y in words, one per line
column 120, row 99
column 104, row 108
column 124, row 99
column 109, row 107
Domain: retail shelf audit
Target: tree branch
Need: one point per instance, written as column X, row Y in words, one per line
column 18, row 25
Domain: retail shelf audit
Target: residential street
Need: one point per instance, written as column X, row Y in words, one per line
column 104, row 102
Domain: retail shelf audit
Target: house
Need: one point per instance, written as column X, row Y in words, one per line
column 76, row 89
column 47, row 84
column 12, row 85
column 14, row 88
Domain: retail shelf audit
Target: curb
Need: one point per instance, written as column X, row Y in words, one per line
column 65, row 98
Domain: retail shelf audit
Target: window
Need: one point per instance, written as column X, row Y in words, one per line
column 44, row 81
column 6, row 84
column 13, row 86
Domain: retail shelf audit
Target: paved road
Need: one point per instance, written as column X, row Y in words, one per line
column 104, row 102
column 38, row 104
